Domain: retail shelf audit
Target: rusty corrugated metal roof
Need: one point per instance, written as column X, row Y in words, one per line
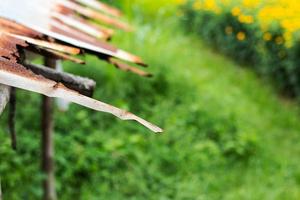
column 61, row 29
column 97, row 5
column 50, row 18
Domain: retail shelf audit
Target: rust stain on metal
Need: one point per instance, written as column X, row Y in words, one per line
column 72, row 20
column 63, row 56
column 17, row 69
column 55, row 54
column 97, row 5
column 62, row 16
column 94, row 14
column 16, row 28
column 61, row 29
column 127, row 68
column 9, row 47
column 46, row 44
column 10, row 73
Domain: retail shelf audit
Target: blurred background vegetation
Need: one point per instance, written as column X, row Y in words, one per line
column 228, row 132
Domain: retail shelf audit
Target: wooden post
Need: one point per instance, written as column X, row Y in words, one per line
column 47, row 142
column 12, row 118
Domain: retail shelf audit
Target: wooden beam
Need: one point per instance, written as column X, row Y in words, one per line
column 82, row 85
column 18, row 76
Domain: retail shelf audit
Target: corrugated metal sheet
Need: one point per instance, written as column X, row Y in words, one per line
column 61, row 29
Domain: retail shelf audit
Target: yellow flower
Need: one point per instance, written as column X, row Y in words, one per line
column 286, row 13
column 267, row 36
column 251, row 3
column 241, row 36
column 236, row 11
column 246, row 19
column 197, row 5
column 211, row 5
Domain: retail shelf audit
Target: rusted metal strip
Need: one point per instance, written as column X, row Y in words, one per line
column 67, row 34
column 95, row 15
column 82, row 85
column 108, row 31
column 127, row 68
column 54, row 54
column 18, row 29
column 18, row 76
column 97, row 5
column 45, row 44
column 82, row 26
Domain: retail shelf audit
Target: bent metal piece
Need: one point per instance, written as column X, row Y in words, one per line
column 18, row 76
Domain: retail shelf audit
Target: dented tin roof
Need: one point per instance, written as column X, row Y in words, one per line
column 62, row 29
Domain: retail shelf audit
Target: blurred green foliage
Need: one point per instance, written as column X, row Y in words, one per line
column 248, row 44
column 227, row 136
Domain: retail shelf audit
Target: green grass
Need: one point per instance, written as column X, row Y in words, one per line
column 227, row 134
